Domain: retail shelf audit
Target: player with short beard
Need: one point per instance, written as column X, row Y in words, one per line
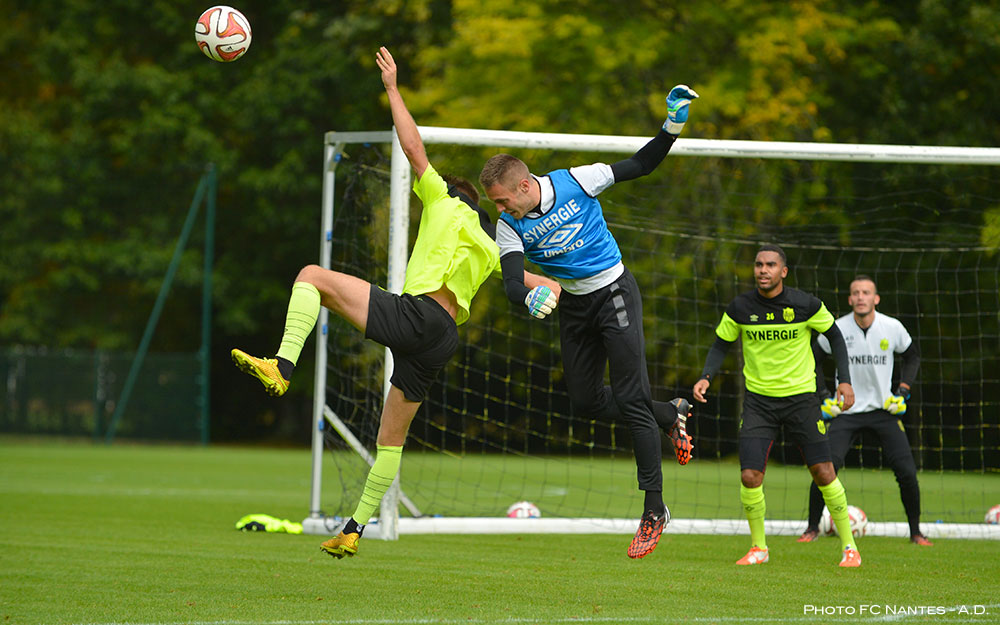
column 775, row 324
column 872, row 339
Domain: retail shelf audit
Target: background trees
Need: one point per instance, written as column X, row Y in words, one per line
column 109, row 114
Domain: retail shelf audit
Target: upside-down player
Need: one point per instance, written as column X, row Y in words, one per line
column 453, row 255
column 872, row 339
column 557, row 222
column 776, row 323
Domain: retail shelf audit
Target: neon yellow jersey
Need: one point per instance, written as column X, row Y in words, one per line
column 777, row 339
column 451, row 249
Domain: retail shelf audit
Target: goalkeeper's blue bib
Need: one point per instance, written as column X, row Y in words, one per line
column 571, row 240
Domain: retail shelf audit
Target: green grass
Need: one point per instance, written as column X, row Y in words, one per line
column 144, row 534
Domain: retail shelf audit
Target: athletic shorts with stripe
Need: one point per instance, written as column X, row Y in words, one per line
column 763, row 417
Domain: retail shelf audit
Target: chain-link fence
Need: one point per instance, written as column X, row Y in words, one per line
column 75, row 393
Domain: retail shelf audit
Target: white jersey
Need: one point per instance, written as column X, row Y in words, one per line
column 871, row 357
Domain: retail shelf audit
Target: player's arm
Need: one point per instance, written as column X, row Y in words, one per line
column 911, row 364
column 896, row 403
column 406, row 128
column 845, row 394
column 649, row 156
column 713, row 362
column 538, row 293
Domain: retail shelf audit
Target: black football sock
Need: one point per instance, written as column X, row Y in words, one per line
column 654, row 502
column 285, row 367
column 352, row 527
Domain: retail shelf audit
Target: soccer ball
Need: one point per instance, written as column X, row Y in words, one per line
column 993, row 515
column 222, row 33
column 857, row 516
column 523, row 510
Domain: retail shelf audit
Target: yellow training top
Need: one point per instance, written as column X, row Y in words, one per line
column 451, row 249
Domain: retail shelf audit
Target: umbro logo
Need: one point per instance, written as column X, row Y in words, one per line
column 561, row 236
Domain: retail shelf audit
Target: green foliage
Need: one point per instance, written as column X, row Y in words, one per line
column 110, row 114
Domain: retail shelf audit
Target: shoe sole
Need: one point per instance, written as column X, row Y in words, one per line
column 339, row 552
column 249, row 368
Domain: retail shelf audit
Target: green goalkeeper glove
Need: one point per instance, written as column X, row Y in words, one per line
column 540, row 301
column 830, row 408
column 896, row 404
column 677, row 108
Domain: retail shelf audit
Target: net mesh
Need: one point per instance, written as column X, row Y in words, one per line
column 497, row 426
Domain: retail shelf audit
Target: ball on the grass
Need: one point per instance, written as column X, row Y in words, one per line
column 993, row 515
column 523, row 510
column 857, row 516
column 223, row 33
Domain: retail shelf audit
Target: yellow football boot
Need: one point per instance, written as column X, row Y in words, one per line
column 342, row 545
column 264, row 369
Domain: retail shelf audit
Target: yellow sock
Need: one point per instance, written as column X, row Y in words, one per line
column 380, row 477
column 836, row 503
column 754, row 507
column 303, row 310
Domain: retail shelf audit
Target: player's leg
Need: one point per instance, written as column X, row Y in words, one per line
column 345, row 295
column 839, row 432
column 423, row 337
column 753, row 461
column 898, row 455
column 397, row 414
column 620, row 319
column 803, row 422
column 758, row 428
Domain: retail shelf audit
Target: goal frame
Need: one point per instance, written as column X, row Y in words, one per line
column 388, row 526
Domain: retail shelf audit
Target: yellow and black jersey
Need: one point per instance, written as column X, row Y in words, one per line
column 776, row 334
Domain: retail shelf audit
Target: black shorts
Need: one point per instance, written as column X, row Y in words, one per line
column 421, row 335
column 764, row 416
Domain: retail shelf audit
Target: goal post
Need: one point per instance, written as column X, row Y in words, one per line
column 520, row 393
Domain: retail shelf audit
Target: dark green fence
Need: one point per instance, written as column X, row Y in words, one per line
column 75, row 393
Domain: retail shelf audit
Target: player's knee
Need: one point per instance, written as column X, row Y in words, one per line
column 752, row 478
column 823, row 473
column 309, row 273
column 906, row 478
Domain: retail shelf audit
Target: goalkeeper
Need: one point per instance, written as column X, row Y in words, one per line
column 776, row 323
column 556, row 222
column 453, row 255
column 872, row 340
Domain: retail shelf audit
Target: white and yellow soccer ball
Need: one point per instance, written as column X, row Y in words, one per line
column 857, row 516
column 523, row 510
column 993, row 515
column 223, row 33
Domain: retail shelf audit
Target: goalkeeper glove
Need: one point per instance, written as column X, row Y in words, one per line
column 896, row 404
column 677, row 108
column 830, row 408
column 540, row 301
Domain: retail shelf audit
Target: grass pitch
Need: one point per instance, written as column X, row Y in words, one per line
column 144, row 535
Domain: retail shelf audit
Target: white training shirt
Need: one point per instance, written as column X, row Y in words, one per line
column 871, row 357
column 592, row 179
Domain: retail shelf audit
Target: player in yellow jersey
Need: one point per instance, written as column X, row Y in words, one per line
column 775, row 324
column 453, row 255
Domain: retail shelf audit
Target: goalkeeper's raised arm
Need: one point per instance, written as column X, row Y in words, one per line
column 649, row 156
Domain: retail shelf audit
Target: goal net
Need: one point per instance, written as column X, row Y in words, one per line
column 497, row 427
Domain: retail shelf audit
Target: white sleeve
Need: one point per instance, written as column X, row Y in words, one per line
column 507, row 239
column 593, row 178
column 824, row 344
column 902, row 339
